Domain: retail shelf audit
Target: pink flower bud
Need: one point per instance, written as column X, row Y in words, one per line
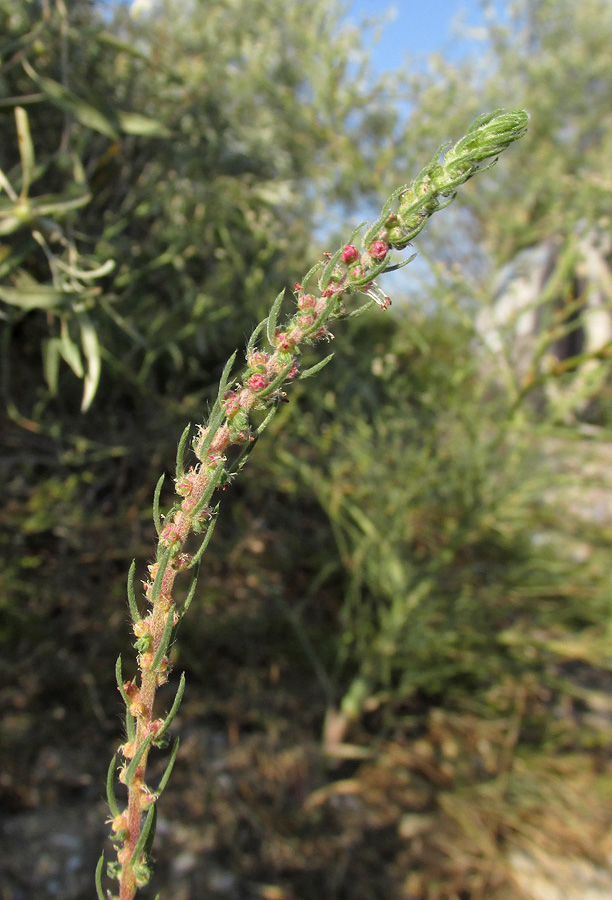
column 257, row 359
column 307, row 302
column 257, row 382
column 170, row 535
column 285, row 341
column 349, row 255
column 379, row 250
column 232, row 404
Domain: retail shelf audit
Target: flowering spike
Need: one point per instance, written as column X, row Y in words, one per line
column 348, row 271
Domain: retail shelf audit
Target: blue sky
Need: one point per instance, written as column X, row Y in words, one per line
column 418, row 27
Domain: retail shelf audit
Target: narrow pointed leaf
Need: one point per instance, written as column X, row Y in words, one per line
column 99, row 868
column 253, row 339
column 312, row 272
column 130, row 726
column 329, row 269
column 213, row 484
column 164, row 641
column 119, row 677
column 273, row 317
column 197, row 557
column 157, row 583
column 148, row 845
column 225, row 375
column 317, row 367
column 156, row 495
column 134, row 611
column 173, row 709
column 180, row 453
column 276, row 382
column 144, row 834
column 133, row 766
column 192, row 586
column 214, row 421
column 110, row 789
column 169, row 767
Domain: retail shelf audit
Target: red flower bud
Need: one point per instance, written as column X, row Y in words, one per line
column 257, row 382
column 284, row 341
column 307, row 302
column 232, row 404
column 379, row 250
column 349, row 255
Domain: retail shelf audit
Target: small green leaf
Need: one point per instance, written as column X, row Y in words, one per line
column 253, row 339
column 110, row 789
column 164, row 641
column 169, row 767
column 225, row 376
column 212, row 485
column 156, row 495
column 148, row 845
column 194, row 582
column 180, row 452
column 119, row 677
column 99, row 889
column 214, row 421
column 317, row 367
column 174, row 708
column 130, row 726
column 144, row 834
column 276, row 382
column 162, row 560
column 199, row 554
column 311, row 272
column 131, row 769
column 273, row 318
column 329, row 269
column 134, row 611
